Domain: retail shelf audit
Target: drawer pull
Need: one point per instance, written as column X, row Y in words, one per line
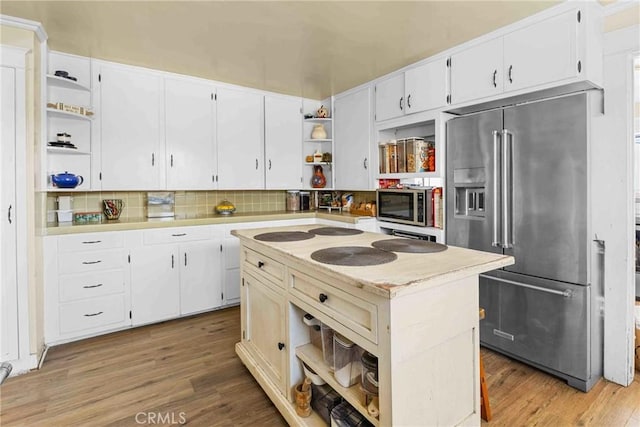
column 91, row 262
column 260, row 264
column 323, row 297
column 280, row 346
column 91, row 242
column 93, row 314
column 179, row 234
column 92, row 286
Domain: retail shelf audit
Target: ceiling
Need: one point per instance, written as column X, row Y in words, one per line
column 304, row 48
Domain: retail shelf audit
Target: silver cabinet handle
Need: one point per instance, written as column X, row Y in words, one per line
column 510, row 69
column 365, row 163
column 566, row 293
column 497, row 203
column 92, row 286
column 495, row 74
column 507, row 189
column 9, row 214
column 409, row 101
column 153, row 159
column 401, row 103
column 94, row 314
column 172, row 261
column 504, row 335
column 91, row 262
column 185, row 259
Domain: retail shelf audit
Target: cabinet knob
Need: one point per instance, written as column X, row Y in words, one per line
column 280, row 346
column 322, row 297
column 260, row 264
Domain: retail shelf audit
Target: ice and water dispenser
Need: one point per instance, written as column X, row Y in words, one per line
column 470, row 186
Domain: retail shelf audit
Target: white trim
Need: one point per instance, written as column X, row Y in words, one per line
column 26, row 24
column 618, row 6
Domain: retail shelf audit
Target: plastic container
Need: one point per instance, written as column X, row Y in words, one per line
column 315, row 327
column 327, row 344
column 382, row 156
column 347, row 366
column 323, row 400
column 369, row 377
column 345, row 415
column 65, row 215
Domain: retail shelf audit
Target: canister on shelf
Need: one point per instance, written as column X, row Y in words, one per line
column 401, row 155
column 382, row 155
column 412, row 153
column 393, row 156
column 346, row 361
column 293, row 200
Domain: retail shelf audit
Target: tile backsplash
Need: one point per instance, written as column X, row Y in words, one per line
column 186, row 202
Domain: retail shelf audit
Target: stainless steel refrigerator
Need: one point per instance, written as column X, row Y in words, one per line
column 518, row 184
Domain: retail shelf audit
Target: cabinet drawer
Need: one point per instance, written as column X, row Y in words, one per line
column 175, row 235
column 92, row 313
column 263, row 266
column 90, row 285
column 90, row 242
column 91, row 261
column 356, row 314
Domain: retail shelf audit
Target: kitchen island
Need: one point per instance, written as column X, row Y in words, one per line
column 417, row 312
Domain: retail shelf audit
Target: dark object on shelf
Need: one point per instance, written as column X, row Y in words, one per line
column 61, row 73
column 346, row 415
column 327, row 157
column 71, row 78
column 308, row 116
column 61, row 144
column 318, row 179
column 323, row 400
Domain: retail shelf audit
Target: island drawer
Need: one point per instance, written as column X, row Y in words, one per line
column 90, row 285
column 358, row 315
column 263, row 266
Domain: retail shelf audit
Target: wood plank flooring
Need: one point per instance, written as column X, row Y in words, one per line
column 186, row 371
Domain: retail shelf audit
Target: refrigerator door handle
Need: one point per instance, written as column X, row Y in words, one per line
column 497, row 193
column 566, row 293
column 507, row 189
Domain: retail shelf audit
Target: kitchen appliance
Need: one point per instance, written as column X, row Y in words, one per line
column 517, row 183
column 405, row 206
column 305, row 200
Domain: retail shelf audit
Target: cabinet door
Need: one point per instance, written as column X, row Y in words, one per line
column 476, row 72
column 200, row 286
column 8, row 261
column 265, row 328
column 231, row 269
column 390, row 98
column 190, row 133
column 550, row 58
column 352, row 139
column 240, row 140
column 131, row 108
column 425, row 87
column 155, row 291
column 283, row 142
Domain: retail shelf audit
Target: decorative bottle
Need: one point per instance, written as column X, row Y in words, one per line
column 318, row 179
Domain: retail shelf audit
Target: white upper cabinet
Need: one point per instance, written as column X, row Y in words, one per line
column 190, row 135
column 283, row 142
column 352, row 121
column 131, row 110
column 542, row 52
column 390, row 98
column 477, row 72
column 240, row 140
column 418, row 89
column 561, row 48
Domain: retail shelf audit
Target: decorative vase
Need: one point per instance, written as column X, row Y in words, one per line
column 318, row 179
column 318, row 132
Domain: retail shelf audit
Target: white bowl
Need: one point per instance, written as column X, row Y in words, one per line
column 315, row 378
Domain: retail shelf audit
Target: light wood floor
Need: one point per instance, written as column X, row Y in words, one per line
column 189, row 366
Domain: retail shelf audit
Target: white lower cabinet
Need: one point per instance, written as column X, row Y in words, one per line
column 86, row 285
column 155, row 292
column 200, row 286
column 231, row 270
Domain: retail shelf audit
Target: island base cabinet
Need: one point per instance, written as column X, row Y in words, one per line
column 263, row 328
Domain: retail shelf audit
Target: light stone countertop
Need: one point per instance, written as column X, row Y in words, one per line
column 54, row 229
column 410, row 272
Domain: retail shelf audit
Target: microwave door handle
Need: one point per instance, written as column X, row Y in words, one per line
column 497, row 202
column 507, row 186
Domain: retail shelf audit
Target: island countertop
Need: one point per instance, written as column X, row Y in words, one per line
column 410, row 272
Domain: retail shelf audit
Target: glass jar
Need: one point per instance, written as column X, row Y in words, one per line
column 293, row 201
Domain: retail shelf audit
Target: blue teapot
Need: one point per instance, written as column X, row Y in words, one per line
column 66, row 180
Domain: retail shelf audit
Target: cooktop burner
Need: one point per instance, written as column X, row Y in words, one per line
column 409, row 245
column 353, row 256
column 284, row 236
column 335, row 231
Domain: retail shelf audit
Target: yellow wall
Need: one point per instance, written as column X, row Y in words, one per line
column 28, row 40
column 623, row 19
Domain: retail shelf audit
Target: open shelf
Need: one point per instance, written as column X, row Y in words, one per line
column 312, row 356
column 67, row 115
column 319, row 163
column 71, row 151
column 318, row 120
column 66, row 83
column 409, row 175
column 318, row 140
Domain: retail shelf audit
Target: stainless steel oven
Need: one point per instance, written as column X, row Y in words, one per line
column 406, row 206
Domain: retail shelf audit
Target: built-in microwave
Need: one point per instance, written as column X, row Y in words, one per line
column 404, row 206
